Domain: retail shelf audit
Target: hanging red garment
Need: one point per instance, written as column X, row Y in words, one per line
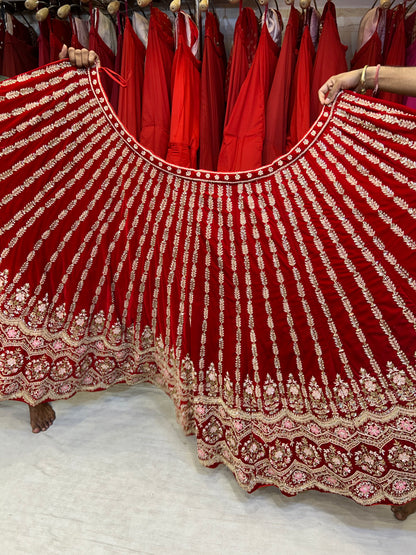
column 117, row 63
column 301, row 91
column 212, row 104
column 132, row 70
column 396, row 55
column 156, row 99
column 370, row 51
column 80, row 32
column 276, row 307
column 19, row 53
column 246, row 36
column 186, row 95
column 2, row 33
column 330, row 57
column 60, row 33
column 105, row 54
column 43, row 43
column 277, row 107
column 242, row 146
column 75, row 42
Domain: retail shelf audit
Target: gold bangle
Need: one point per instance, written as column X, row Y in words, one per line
column 362, row 80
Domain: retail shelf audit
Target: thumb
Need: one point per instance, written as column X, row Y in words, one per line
column 64, row 52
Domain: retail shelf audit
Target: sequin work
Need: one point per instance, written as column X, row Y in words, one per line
column 276, row 307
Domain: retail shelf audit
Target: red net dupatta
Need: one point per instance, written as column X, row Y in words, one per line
column 275, row 306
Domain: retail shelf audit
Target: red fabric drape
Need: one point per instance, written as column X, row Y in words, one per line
column 156, row 99
column 43, row 43
column 277, row 108
column 212, row 94
column 242, row 146
column 186, row 89
column 132, row 70
column 246, row 36
column 19, row 53
column 300, row 116
column 60, row 33
column 396, row 54
column 330, row 57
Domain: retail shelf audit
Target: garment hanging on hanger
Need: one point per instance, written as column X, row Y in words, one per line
column 396, row 55
column 97, row 43
column 242, row 146
column 156, row 101
column 276, row 307
column 186, row 91
column 212, row 106
column 370, row 53
column 246, row 36
column 330, row 57
column 118, row 61
column 300, row 113
column 277, row 107
column 19, row 53
column 132, row 70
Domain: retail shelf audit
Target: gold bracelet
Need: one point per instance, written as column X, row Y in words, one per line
column 362, row 80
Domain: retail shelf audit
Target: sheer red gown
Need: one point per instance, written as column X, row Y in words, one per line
column 276, row 306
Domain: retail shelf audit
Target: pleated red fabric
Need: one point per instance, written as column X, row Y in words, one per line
column 132, row 70
column 105, row 54
column 396, row 54
column 156, row 100
column 19, row 53
column 212, row 104
column 330, row 57
column 242, row 146
column 186, row 96
column 300, row 112
column 246, row 36
column 277, row 107
column 276, row 307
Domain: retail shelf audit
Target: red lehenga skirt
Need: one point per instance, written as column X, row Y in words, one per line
column 276, row 307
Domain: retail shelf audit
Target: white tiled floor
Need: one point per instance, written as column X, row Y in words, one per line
column 116, row 475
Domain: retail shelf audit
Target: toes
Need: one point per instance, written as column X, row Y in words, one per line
column 399, row 512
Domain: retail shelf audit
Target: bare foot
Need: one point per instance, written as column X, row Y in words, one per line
column 41, row 417
column 401, row 512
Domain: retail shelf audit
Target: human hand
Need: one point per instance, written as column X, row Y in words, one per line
column 336, row 83
column 79, row 57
